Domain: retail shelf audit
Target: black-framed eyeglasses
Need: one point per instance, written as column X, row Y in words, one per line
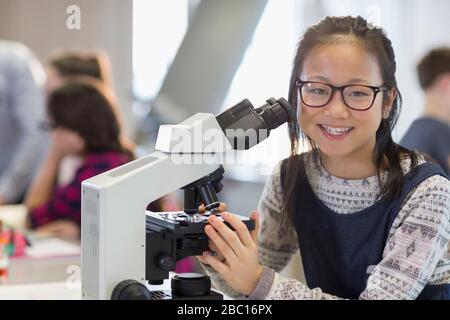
column 319, row 94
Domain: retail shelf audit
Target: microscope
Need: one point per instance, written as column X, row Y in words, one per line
column 125, row 246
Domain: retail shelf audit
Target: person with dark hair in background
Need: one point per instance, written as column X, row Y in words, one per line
column 77, row 63
column 21, row 111
column 370, row 218
column 431, row 132
column 69, row 63
column 84, row 120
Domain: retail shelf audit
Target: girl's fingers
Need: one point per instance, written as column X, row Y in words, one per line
column 219, row 266
column 228, row 235
column 239, row 227
column 214, row 248
column 254, row 233
column 221, row 244
column 202, row 260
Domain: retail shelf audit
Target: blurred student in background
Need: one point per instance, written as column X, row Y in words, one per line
column 66, row 64
column 75, row 63
column 84, row 121
column 431, row 132
column 70, row 63
column 21, row 111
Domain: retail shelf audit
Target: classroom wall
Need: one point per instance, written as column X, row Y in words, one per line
column 105, row 25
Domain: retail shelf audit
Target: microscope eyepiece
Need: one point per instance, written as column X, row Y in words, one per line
column 275, row 112
column 244, row 126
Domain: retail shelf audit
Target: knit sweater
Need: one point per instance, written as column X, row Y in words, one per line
column 416, row 252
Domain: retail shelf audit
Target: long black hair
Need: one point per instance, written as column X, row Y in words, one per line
column 387, row 154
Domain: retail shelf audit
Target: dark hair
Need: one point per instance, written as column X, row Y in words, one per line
column 88, row 107
column 78, row 63
column 387, row 154
column 432, row 65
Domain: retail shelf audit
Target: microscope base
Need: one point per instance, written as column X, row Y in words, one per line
column 167, row 295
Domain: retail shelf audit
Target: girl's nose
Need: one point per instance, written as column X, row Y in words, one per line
column 337, row 108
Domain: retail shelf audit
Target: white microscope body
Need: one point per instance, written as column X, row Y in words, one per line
column 113, row 228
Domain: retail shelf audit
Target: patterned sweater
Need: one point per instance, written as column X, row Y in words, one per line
column 415, row 254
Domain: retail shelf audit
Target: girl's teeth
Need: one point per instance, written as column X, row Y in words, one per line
column 335, row 131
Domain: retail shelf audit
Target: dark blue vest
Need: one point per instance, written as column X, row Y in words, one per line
column 339, row 250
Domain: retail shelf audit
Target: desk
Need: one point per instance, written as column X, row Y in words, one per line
column 39, row 270
column 50, row 278
column 40, row 291
column 41, row 277
column 14, row 215
column 38, row 276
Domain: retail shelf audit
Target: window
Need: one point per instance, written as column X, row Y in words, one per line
column 158, row 29
column 265, row 72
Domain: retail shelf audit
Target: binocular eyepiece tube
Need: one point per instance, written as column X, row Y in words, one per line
column 244, row 126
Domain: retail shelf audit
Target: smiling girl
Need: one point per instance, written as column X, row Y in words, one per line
column 370, row 218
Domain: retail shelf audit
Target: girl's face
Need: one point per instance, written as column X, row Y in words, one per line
column 336, row 129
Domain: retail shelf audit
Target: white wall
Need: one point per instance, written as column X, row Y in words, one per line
column 105, row 25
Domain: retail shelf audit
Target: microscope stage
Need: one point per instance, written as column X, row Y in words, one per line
column 183, row 223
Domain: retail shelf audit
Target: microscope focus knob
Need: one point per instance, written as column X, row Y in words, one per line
column 166, row 262
column 130, row 290
column 190, row 285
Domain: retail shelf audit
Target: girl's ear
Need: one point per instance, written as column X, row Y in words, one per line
column 389, row 101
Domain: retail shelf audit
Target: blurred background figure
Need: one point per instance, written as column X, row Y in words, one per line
column 21, row 110
column 75, row 63
column 66, row 64
column 431, row 132
column 69, row 63
column 84, row 121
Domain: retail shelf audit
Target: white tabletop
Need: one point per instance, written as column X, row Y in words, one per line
column 49, row 270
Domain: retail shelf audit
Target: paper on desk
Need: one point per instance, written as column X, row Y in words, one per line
column 14, row 215
column 51, row 247
column 40, row 291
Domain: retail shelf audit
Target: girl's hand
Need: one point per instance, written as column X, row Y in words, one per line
column 65, row 142
column 201, row 209
column 241, row 268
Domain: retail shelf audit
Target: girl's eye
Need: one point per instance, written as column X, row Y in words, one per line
column 317, row 91
column 358, row 94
